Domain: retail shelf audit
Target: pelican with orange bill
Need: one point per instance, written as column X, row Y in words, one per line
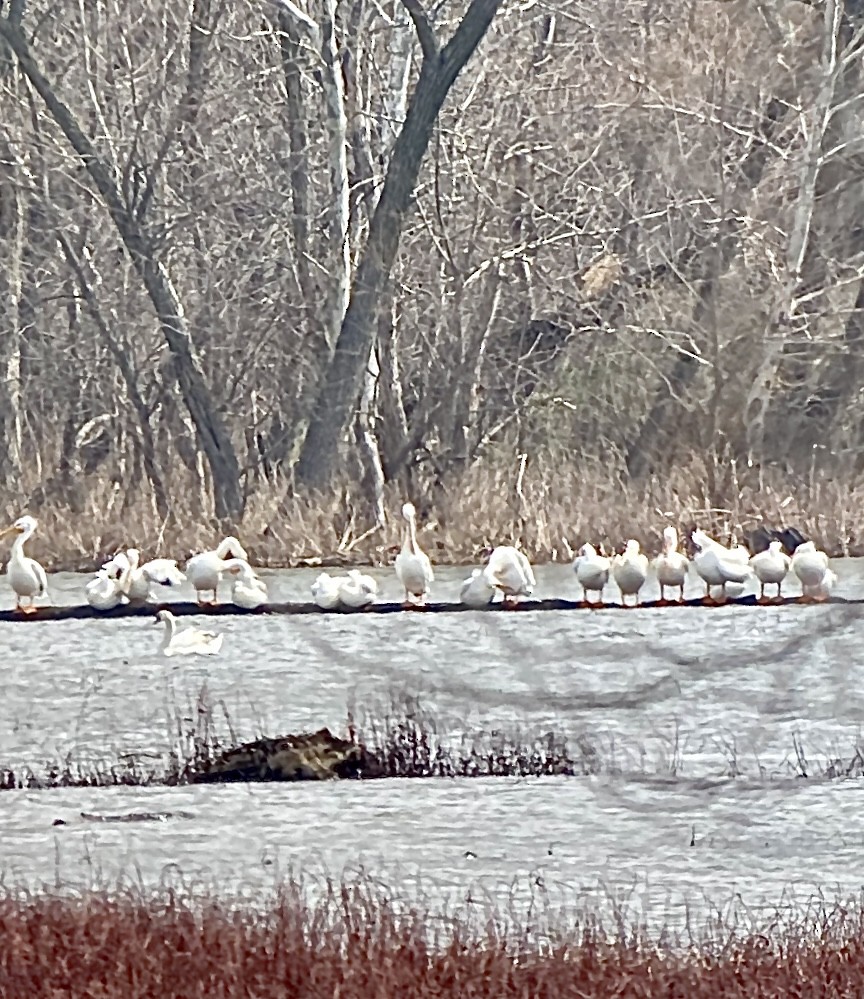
column 26, row 576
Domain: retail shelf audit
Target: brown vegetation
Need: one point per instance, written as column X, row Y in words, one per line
column 637, row 249
column 357, row 941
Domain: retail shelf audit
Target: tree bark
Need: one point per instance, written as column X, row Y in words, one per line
column 216, row 443
column 370, row 291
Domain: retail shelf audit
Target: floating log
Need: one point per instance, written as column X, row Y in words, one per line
column 313, row 756
column 186, row 608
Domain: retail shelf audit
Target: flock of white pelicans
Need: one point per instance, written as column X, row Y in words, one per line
column 725, row 571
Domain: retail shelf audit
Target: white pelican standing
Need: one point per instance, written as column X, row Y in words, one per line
column 357, row 589
column 592, row 572
column 141, row 578
column 509, row 571
column 476, row 591
column 248, row 590
column 204, row 571
column 630, row 571
column 413, row 568
column 771, row 567
column 811, row 567
column 671, row 566
column 719, row 566
column 188, row 641
column 26, row 576
column 325, row 592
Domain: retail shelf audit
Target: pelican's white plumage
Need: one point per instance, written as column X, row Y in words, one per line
column 104, row 591
column 719, row 566
column 509, row 571
column 140, row 579
column 357, row 589
column 810, row 565
column 204, row 571
column 26, row 576
column 671, row 566
column 476, row 591
column 771, row 567
column 325, row 592
column 413, row 568
column 630, row 570
column 247, row 590
column 188, row 641
column 592, row 571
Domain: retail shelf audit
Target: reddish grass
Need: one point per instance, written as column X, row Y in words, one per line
column 358, row 942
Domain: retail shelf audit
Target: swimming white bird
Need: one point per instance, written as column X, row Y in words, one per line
column 771, row 567
column 189, row 641
column 671, row 566
column 204, row 571
column 26, row 576
column 248, row 590
column 476, row 591
column 509, row 571
column 811, row 567
column 592, row 572
column 141, row 578
column 325, row 591
column 413, row 568
column 357, row 589
column 719, row 566
column 630, row 570
column 104, row 591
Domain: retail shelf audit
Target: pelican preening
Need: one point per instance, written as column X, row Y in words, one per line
column 187, row 641
column 509, row 571
column 26, row 576
column 354, row 590
column 247, row 590
column 204, row 571
column 719, row 566
column 138, row 580
column 413, row 568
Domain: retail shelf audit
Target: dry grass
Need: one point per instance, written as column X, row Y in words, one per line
column 357, row 940
column 556, row 507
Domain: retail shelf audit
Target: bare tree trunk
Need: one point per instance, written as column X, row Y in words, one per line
column 12, row 226
column 370, row 290
column 210, row 430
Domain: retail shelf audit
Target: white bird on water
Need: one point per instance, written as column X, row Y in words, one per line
column 476, row 591
column 771, row 567
column 630, row 570
column 357, row 590
column 325, row 592
column 140, row 579
column 413, row 568
column 671, row 566
column 26, row 576
column 104, row 591
column 187, row 641
column 248, row 590
column 509, row 571
column 204, row 571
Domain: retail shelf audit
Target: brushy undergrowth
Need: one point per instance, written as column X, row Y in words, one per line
column 555, row 509
column 401, row 738
column 356, row 939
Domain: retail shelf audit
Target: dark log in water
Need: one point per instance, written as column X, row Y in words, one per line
column 185, row 608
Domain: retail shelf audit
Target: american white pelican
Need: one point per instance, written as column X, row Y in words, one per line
column 104, row 591
column 630, row 571
column 592, row 572
column 248, row 590
column 811, row 567
column 771, row 567
column 671, row 566
column 476, row 591
column 719, row 566
column 357, row 589
column 509, row 571
column 141, row 578
column 204, row 571
column 325, row 592
column 189, row 641
column 26, row 576
column 413, row 568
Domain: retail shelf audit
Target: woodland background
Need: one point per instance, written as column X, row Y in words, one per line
column 629, row 285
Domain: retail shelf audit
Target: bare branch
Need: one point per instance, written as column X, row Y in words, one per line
column 423, row 26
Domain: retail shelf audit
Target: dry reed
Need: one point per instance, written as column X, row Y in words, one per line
column 555, row 509
column 355, row 939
